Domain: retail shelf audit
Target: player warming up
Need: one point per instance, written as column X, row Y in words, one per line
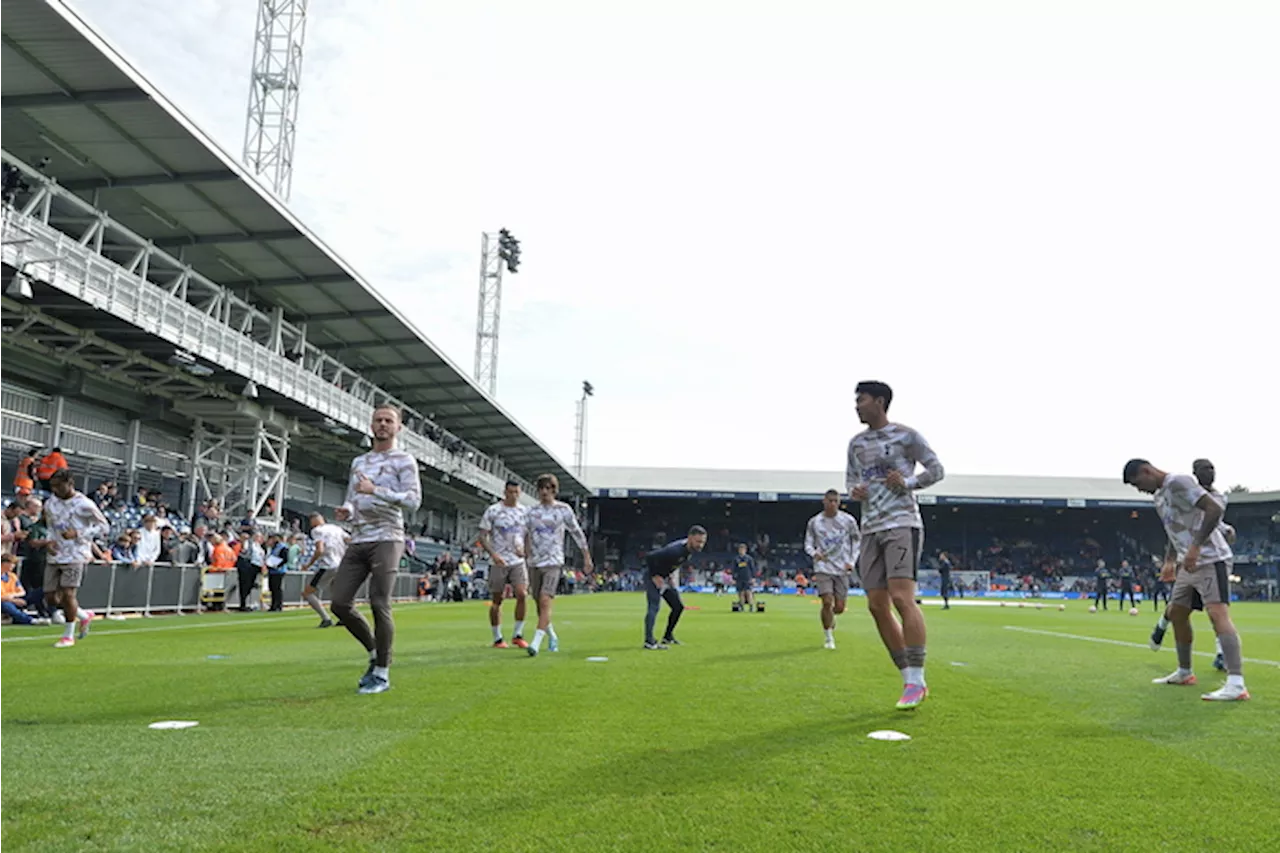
column 330, row 544
column 1205, row 474
column 72, row 521
column 831, row 540
column 881, row 474
column 545, row 527
column 662, row 581
column 383, row 486
column 1191, row 517
column 502, row 537
column 744, row 578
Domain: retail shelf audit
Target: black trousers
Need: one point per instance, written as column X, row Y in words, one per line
column 654, row 599
column 248, row 576
column 276, row 582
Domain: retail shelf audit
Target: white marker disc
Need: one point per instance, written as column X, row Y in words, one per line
column 888, row 735
column 173, row 724
column 596, row 660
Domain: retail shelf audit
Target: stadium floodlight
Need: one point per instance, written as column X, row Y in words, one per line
column 587, row 389
column 19, row 287
column 250, row 390
column 509, row 250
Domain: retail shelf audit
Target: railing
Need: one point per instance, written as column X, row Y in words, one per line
column 117, row 588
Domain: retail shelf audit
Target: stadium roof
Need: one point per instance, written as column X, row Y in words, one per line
column 977, row 486
column 113, row 138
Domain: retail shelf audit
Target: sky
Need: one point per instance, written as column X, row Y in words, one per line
column 1050, row 226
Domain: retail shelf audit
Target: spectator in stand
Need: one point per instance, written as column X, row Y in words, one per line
column 250, row 521
column 293, row 559
column 140, row 499
column 50, row 464
column 12, row 595
column 24, row 479
column 124, row 552
column 149, row 544
column 105, row 495
column 222, row 558
column 34, row 552
column 168, row 539
column 11, row 525
column 277, row 565
column 184, row 550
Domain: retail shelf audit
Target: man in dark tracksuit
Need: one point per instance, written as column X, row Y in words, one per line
column 662, row 581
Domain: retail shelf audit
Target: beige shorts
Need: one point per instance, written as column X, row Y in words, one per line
column 837, row 585
column 1206, row 585
column 501, row 576
column 63, row 576
column 892, row 553
column 545, row 581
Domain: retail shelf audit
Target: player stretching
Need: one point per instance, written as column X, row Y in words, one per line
column 544, row 544
column 1204, row 473
column 72, row 521
column 383, row 486
column 662, row 581
column 881, row 474
column 502, row 536
column 831, row 540
column 1191, row 517
column 331, row 544
column 744, row 578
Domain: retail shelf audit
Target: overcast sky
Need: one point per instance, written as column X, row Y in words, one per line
column 1051, row 226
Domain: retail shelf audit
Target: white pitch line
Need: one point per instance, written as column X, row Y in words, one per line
column 98, row 634
column 1111, row 642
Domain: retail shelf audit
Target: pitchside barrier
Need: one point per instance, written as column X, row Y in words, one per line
column 932, row 593
column 110, row 588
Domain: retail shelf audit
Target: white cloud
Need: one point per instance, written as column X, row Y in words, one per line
column 1052, row 230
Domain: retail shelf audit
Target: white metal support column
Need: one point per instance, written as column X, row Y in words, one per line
column 271, row 125
column 131, row 454
column 488, row 315
column 242, row 467
column 56, row 414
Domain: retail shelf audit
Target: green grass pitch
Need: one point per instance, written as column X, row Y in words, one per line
column 749, row 737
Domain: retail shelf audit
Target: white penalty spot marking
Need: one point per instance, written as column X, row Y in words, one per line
column 888, row 734
column 1110, row 642
column 174, row 724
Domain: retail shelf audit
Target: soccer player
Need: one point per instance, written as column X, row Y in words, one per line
column 1191, row 517
column 944, row 576
column 1205, row 473
column 502, row 537
column 662, row 570
column 73, row 521
column 831, row 540
column 383, row 486
column 1127, row 581
column 1100, row 585
column 326, row 556
column 881, row 474
column 545, row 526
column 744, row 577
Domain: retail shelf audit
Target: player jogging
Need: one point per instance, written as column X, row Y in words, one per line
column 330, row 545
column 1191, row 517
column 662, row 581
column 502, row 537
column 744, row 578
column 881, row 474
column 382, row 487
column 831, row 540
column 545, row 527
column 1205, row 474
column 73, row 521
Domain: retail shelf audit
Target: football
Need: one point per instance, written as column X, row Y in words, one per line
column 1133, row 611
column 1093, row 608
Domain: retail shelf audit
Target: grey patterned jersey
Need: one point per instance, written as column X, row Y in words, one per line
column 76, row 513
column 872, row 455
column 506, row 527
column 1176, row 505
column 546, row 526
column 379, row 517
column 832, row 543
